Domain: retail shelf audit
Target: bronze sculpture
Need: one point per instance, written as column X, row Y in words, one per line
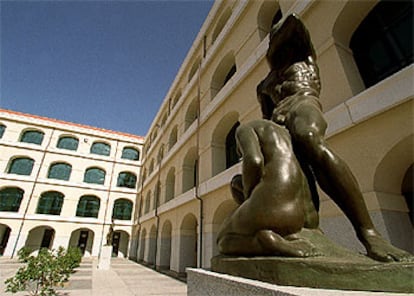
column 276, row 193
column 110, row 234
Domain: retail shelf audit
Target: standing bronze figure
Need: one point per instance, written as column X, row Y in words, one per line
column 284, row 155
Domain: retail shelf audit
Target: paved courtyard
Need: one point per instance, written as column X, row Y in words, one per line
column 125, row 278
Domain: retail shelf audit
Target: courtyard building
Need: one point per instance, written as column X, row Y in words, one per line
column 63, row 184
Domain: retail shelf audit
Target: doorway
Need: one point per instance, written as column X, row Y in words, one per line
column 4, row 238
column 47, row 238
column 115, row 243
column 83, row 239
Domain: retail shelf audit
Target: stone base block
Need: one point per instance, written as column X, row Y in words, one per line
column 202, row 282
column 337, row 268
column 104, row 262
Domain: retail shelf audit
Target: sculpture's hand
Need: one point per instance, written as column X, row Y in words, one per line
column 278, row 118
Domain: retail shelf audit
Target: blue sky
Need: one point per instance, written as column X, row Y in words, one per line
column 107, row 64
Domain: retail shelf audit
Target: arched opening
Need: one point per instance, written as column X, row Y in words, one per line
column 391, row 179
column 133, row 250
column 32, row 137
column 83, row 239
column 88, row 206
column 176, row 98
column 224, row 210
column 220, row 24
column 4, row 237
column 232, row 156
column 120, row 241
column 60, row 171
column 2, row 129
column 40, row 237
column 122, row 209
column 191, row 114
column 188, row 243
column 21, row 166
column 141, row 252
column 164, row 119
column 50, row 203
column 225, row 70
column 190, row 170
column 127, row 180
column 194, row 68
column 407, row 190
column 10, row 199
column 151, row 167
column 68, row 143
column 94, row 175
column 130, row 153
column 269, row 14
column 173, row 138
column 383, row 42
column 218, row 143
column 165, row 247
column 151, row 245
column 100, row 148
column 157, row 195
column 147, row 202
column 170, row 185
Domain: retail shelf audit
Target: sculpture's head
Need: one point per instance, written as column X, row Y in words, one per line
column 290, row 43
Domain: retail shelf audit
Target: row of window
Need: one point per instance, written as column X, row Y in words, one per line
column 72, row 143
column 189, row 173
column 269, row 13
column 381, row 45
column 51, row 202
column 230, row 149
column 62, row 171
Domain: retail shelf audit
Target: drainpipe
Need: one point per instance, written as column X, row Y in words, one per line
column 157, row 197
column 140, row 205
column 31, row 193
column 107, row 202
column 197, row 195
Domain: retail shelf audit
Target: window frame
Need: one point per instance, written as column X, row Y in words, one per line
column 2, row 130
column 99, row 148
column 55, row 206
column 88, row 201
column 232, row 157
column 124, row 183
column 66, row 176
column 27, row 136
column 127, row 150
column 13, row 163
column 96, row 169
column 382, row 51
column 123, row 216
column 14, row 205
column 62, row 145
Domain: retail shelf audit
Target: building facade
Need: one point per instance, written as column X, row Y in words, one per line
column 63, row 184
column 364, row 52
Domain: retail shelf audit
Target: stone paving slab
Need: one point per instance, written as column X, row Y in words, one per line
column 125, row 278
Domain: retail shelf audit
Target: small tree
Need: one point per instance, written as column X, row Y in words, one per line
column 44, row 272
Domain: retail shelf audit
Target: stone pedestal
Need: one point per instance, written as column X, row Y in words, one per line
column 105, row 258
column 337, row 268
column 207, row 283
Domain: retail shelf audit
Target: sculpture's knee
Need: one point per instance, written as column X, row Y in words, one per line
column 309, row 143
column 253, row 161
column 236, row 187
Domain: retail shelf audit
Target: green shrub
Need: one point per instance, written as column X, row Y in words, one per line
column 44, row 272
column 24, row 254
